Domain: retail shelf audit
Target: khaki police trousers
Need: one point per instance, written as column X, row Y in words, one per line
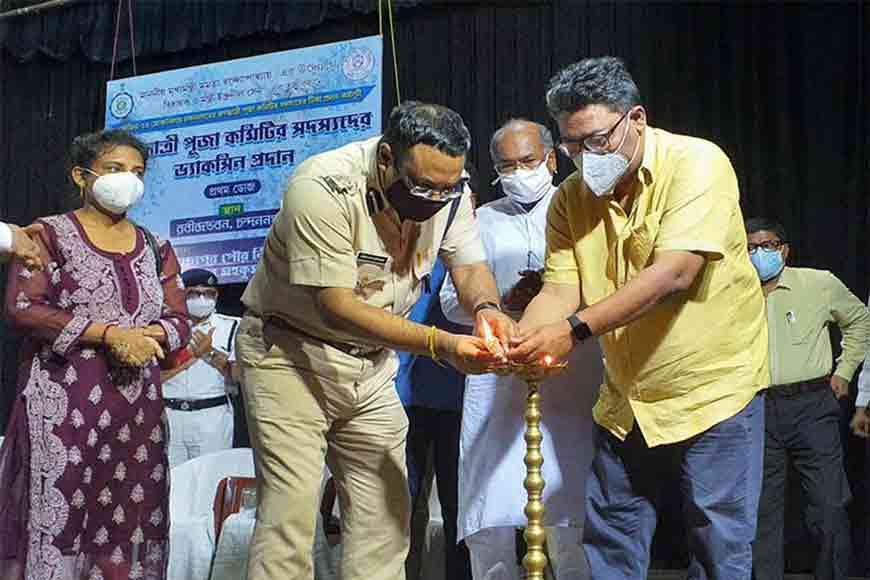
column 310, row 403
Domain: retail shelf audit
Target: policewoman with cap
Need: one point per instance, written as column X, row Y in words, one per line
column 199, row 378
column 348, row 255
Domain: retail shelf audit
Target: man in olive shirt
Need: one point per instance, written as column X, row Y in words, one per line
column 346, row 258
column 647, row 237
column 802, row 416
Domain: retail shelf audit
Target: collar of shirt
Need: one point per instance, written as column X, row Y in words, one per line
column 206, row 323
column 369, row 168
column 786, row 280
column 646, row 173
column 370, row 164
column 515, row 208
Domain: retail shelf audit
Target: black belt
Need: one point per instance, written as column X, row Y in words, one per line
column 350, row 349
column 195, row 404
column 800, row 387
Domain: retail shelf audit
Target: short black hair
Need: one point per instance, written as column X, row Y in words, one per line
column 414, row 123
column 758, row 224
column 592, row 81
column 87, row 148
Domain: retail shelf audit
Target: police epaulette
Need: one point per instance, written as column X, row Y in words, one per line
column 337, row 185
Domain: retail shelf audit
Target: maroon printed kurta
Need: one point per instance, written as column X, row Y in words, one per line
column 84, row 491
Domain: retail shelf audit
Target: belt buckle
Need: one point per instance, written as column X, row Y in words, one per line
column 185, row 406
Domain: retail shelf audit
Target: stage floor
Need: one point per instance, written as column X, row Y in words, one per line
column 681, row 574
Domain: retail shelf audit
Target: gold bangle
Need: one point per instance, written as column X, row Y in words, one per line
column 430, row 342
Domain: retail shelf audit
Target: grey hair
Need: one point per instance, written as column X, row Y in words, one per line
column 544, row 135
column 592, row 81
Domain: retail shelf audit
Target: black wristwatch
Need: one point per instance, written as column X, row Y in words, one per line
column 579, row 329
column 485, row 305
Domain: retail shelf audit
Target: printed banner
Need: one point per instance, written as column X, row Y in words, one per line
column 225, row 137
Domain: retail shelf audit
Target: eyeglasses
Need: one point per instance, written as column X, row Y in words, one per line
column 195, row 293
column 431, row 194
column 508, row 167
column 767, row 246
column 596, row 143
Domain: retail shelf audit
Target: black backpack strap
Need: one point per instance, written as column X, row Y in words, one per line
column 454, row 208
column 152, row 243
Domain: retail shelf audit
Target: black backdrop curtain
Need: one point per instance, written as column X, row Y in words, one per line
column 781, row 87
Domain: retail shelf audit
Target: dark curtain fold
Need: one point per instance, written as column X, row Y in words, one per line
column 781, row 87
column 164, row 26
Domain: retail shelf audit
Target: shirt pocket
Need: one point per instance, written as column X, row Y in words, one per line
column 804, row 325
column 641, row 242
column 373, row 275
column 424, row 262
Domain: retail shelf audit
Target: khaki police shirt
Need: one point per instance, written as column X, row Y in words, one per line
column 324, row 237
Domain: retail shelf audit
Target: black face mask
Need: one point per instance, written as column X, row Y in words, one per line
column 410, row 207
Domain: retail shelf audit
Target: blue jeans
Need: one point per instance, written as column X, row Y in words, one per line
column 719, row 476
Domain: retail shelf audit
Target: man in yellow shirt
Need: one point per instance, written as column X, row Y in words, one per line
column 802, row 417
column 647, row 238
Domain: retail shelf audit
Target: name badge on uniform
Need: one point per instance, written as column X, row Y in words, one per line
column 373, row 261
column 372, row 271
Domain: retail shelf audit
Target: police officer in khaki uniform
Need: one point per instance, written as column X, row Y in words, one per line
column 347, row 256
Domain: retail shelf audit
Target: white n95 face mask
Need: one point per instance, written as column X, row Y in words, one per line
column 201, row 306
column 527, row 185
column 602, row 171
column 117, row 192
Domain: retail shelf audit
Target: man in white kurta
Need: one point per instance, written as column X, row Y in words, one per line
column 491, row 468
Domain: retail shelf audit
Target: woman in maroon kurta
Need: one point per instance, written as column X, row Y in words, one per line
column 83, row 474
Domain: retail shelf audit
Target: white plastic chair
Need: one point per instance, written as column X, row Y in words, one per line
column 191, row 501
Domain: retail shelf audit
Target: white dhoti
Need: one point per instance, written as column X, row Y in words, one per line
column 491, row 467
column 494, row 556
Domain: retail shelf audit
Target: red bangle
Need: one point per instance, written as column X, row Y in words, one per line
column 105, row 331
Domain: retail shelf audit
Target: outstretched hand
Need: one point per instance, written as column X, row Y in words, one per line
column 24, row 246
column 553, row 340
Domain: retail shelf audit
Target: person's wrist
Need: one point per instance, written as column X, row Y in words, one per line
column 446, row 344
column 110, row 334
column 487, row 305
column 578, row 328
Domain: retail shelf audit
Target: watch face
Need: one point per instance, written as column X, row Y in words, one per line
column 579, row 329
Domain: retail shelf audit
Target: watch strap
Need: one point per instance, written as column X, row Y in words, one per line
column 485, row 305
column 579, row 329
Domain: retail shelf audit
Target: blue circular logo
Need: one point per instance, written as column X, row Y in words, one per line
column 358, row 64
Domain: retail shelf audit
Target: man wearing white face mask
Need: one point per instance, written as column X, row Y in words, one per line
column 196, row 386
column 646, row 250
column 491, row 497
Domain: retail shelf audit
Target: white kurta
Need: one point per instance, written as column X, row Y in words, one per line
column 491, row 468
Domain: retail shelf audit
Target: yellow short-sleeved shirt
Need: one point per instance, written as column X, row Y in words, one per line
column 699, row 357
column 324, row 237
